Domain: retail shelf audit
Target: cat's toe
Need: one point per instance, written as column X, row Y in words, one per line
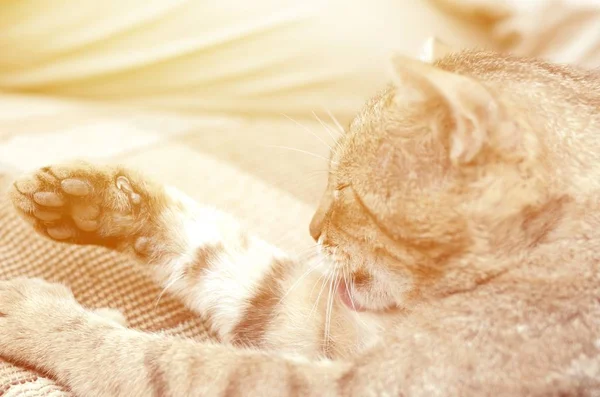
column 61, row 232
column 39, row 203
column 81, row 203
column 76, row 187
column 49, row 199
column 20, row 195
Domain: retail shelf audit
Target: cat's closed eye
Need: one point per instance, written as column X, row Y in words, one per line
column 339, row 188
column 342, row 186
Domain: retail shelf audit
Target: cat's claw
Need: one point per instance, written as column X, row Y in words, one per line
column 79, row 203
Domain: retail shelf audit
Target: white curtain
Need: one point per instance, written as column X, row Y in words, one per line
column 259, row 57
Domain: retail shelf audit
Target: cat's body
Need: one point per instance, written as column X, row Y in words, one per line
column 462, row 220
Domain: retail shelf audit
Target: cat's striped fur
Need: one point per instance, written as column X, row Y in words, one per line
column 239, row 283
column 462, row 207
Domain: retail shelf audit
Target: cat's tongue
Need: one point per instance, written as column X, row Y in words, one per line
column 347, row 300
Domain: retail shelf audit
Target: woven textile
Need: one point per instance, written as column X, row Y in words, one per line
column 98, row 278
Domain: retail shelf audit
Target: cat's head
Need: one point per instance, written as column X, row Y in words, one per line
column 433, row 170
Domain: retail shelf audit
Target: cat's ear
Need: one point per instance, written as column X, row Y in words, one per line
column 471, row 117
column 434, row 49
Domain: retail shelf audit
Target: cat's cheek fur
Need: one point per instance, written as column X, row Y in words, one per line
column 385, row 291
column 382, row 284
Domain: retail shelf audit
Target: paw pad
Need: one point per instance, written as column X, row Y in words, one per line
column 78, row 203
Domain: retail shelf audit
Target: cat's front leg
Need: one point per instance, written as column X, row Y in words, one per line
column 42, row 325
column 199, row 253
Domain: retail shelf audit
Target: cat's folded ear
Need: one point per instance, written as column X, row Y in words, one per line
column 434, row 49
column 468, row 119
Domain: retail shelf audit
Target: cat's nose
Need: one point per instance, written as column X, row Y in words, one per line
column 316, row 225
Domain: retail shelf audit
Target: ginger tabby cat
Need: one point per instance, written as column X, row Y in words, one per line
column 462, row 229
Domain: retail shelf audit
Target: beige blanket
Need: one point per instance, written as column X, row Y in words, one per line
column 156, row 53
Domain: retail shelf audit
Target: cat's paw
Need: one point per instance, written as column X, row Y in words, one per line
column 29, row 309
column 82, row 203
column 38, row 318
column 22, row 296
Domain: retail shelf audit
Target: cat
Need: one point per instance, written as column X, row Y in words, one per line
column 462, row 236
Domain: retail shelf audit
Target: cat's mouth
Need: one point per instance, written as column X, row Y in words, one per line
column 349, row 300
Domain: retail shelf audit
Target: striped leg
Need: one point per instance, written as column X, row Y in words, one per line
column 202, row 255
column 42, row 325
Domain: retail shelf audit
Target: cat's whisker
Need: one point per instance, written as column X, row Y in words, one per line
column 327, row 129
column 312, row 178
column 330, row 301
column 315, row 284
column 344, row 273
column 326, row 329
column 299, row 151
column 169, row 285
column 336, row 122
column 338, row 280
column 325, row 279
column 287, row 180
column 350, row 289
column 329, row 305
column 308, row 130
column 307, row 252
column 308, row 258
column 297, row 282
